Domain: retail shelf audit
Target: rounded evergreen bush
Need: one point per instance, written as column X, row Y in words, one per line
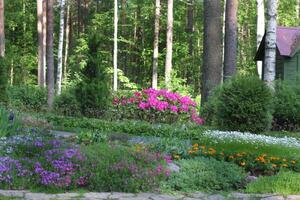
column 67, row 104
column 244, row 104
column 286, row 107
column 204, row 174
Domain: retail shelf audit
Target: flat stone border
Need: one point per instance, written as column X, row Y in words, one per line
column 27, row 195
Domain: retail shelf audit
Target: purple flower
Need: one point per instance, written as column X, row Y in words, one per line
column 38, row 143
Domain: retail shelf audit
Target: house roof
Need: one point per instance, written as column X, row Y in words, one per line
column 288, row 42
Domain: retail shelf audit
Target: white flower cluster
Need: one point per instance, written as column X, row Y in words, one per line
column 250, row 138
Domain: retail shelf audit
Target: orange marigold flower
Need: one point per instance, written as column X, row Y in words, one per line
column 284, row 160
column 293, row 162
column 177, row 156
column 196, row 145
column 274, row 165
column 242, row 164
column 191, row 151
column 202, row 147
column 284, row 165
column 231, row 157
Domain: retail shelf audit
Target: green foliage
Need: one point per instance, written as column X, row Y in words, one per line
column 120, row 169
column 287, row 106
column 285, row 183
column 205, row 175
column 244, row 104
column 90, row 137
column 67, row 104
column 129, row 127
column 27, row 98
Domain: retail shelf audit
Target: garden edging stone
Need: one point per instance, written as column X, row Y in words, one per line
column 27, row 195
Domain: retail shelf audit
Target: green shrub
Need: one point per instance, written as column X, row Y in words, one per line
column 244, row 104
column 121, row 169
column 286, row 107
column 205, row 175
column 129, row 127
column 27, row 98
column 67, row 104
column 285, row 183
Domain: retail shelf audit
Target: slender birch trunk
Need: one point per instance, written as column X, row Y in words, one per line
column 44, row 43
column 115, row 59
column 67, row 40
column 2, row 34
column 230, row 49
column 260, row 31
column 270, row 46
column 168, row 66
column 60, row 46
column 50, row 57
column 156, row 44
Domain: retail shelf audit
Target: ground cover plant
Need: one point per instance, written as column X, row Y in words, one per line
column 204, row 174
column 284, row 182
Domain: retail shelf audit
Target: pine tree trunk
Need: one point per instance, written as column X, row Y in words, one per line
column 115, row 59
column 156, row 44
column 68, row 25
column 260, row 31
column 44, row 43
column 212, row 45
column 60, row 46
column 297, row 9
column 2, row 35
column 270, row 46
column 168, row 66
column 230, row 49
column 50, row 58
column 40, row 43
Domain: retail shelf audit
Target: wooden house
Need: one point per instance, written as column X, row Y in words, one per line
column 288, row 53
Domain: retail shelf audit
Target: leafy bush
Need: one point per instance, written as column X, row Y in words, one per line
column 129, row 127
column 285, row 183
column 287, row 106
column 244, row 104
column 90, row 137
column 120, row 169
column 156, row 106
column 66, row 104
column 27, row 98
column 205, row 175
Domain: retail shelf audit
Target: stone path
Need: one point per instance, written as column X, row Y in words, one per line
column 26, row 195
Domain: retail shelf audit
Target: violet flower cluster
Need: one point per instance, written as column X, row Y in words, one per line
column 161, row 101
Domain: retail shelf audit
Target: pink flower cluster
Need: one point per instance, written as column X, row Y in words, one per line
column 161, row 101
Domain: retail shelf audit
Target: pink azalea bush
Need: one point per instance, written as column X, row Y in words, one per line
column 156, row 106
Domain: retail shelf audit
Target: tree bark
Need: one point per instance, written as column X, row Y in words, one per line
column 297, row 9
column 123, row 17
column 2, row 34
column 60, row 46
column 115, row 59
column 230, row 49
column 168, row 66
column 44, row 43
column 156, row 44
column 68, row 25
column 260, row 31
column 270, row 46
column 212, row 45
column 40, row 43
column 190, row 25
column 50, row 58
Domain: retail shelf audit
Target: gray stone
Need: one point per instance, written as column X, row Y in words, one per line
column 95, row 195
column 118, row 195
column 189, row 198
column 250, row 179
column 68, row 196
column 173, row 167
column 163, row 197
column 12, row 193
column 198, row 195
column 293, row 197
column 242, row 196
column 274, row 198
column 39, row 196
column 216, row 197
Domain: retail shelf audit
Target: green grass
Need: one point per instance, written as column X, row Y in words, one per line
column 281, row 134
column 285, row 183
